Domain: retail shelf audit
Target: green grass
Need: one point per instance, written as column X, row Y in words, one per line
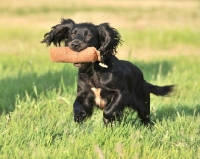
column 36, row 95
column 162, row 39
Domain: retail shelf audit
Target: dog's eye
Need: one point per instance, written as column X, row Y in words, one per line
column 72, row 35
column 88, row 36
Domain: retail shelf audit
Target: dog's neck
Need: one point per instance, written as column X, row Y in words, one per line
column 90, row 68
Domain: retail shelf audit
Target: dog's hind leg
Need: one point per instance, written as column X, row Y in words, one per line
column 141, row 103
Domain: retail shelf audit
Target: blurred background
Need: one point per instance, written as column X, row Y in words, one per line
column 148, row 28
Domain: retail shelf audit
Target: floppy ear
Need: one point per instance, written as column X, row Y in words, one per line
column 109, row 40
column 58, row 33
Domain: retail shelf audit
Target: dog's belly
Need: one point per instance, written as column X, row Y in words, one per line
column 98, row 99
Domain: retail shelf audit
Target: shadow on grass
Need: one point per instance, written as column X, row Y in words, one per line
column 166, row 113
column 24, row 83
column 29, row 83
column 172, row 112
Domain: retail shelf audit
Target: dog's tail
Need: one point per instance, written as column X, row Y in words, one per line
column 161, row 90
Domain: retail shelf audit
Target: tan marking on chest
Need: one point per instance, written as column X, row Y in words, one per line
column 98, row 100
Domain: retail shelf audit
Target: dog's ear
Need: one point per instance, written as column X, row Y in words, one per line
column 58, row 33
column 109, row 40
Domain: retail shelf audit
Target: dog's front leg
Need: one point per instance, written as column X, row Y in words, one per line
column 83, row 107
column 114, row 110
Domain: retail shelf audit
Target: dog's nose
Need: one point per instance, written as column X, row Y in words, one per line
column 75, row 45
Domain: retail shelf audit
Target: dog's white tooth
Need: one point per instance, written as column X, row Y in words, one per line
column 103, row 65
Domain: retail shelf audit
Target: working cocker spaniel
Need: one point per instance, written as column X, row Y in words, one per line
column 112, row 88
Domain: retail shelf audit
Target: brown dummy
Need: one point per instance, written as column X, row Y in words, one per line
column 65, row 54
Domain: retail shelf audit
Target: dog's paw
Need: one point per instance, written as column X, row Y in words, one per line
column 116, row 116
column 80, row 116
column 110, row 122
column 106, row 121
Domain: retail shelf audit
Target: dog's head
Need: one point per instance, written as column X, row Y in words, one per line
column 80, row 36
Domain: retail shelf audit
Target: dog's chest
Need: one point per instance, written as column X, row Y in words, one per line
column 98, row 99
column 99, row 89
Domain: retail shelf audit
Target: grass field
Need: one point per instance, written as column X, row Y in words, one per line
column 36, row 96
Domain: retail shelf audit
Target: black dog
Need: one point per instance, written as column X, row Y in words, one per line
column 113, row 88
